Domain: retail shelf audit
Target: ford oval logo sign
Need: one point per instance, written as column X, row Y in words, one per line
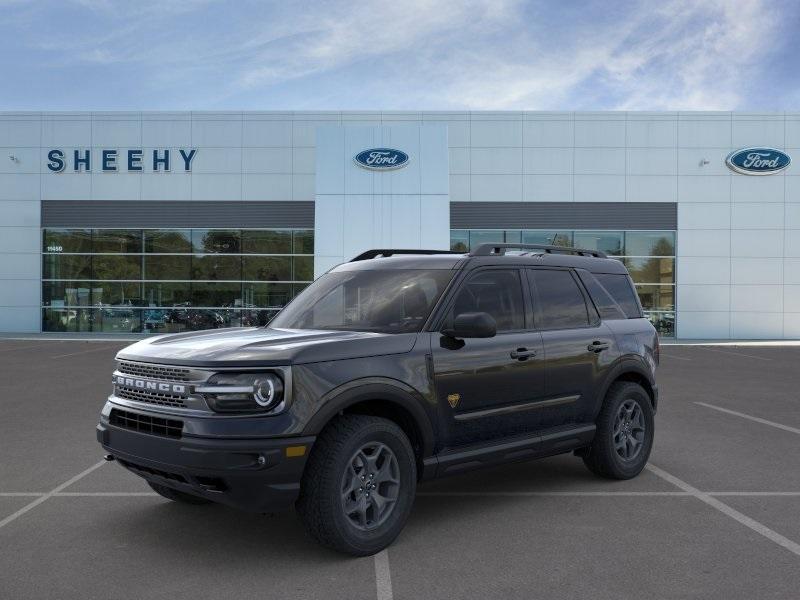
column 758, row 161
column 381, row 159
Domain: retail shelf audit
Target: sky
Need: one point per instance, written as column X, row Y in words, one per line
column 399, row 55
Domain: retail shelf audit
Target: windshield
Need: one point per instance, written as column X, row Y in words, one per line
column 388, row 301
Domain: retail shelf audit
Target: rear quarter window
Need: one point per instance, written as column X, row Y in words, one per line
column 621, row 289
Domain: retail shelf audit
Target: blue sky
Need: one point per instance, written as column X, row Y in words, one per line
column 418, row 54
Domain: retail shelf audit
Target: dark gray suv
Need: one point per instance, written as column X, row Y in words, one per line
column 394, row 368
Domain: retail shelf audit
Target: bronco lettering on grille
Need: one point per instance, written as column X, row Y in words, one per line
column 147, row 385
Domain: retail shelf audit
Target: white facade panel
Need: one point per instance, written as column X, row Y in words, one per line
column 599, row 161
column 704, row 270
column 652, row 133
column 599, row 133
column 20, row 186
column 496, row 188
column 651, row 188
column 705, row 297
column 763, row 189
column 547, row 188
column 704, row 242
column 599, row 188
column 757, row 271
column 704, row 134
column 756, row 325
column 548, row 133
column 496, row 134
column 14, row 240
column 703, row 325
column 21, row 319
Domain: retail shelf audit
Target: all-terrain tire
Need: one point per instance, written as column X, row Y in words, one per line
column 333, row 466
column 177, row 496
column 605, row 456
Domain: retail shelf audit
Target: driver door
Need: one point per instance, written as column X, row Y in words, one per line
column 484, row 386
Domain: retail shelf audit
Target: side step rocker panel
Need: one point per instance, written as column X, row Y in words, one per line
column 460, row 460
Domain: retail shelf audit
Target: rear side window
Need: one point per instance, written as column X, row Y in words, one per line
column 560, row 301
column 621, row 290
column 606, row 305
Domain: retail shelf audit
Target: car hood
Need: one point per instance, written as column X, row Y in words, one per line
column 241, row 346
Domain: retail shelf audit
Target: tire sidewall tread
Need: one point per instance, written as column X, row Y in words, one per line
column 602, row 458
column 320, row 497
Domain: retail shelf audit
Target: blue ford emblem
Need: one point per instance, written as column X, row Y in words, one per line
column 758, row 161
column 381, row 159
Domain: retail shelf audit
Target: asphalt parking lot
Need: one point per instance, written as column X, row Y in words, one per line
column 715, row 515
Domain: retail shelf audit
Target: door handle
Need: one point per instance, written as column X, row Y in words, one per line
column 597, row 346
column 522, row 354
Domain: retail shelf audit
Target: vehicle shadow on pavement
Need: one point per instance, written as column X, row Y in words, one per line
column 214, row 531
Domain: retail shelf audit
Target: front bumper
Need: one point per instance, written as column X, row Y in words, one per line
column 257, row 475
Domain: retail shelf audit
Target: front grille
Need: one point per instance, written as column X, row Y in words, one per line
column 155, row 371
column 145, row 423
column 151, row 397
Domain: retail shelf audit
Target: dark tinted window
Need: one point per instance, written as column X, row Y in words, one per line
column 496, row 292
column 606, row 305
column 561, row 302
column 621, row 290
column 386, row 301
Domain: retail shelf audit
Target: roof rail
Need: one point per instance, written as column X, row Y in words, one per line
column 369, row 254
column 500, row 249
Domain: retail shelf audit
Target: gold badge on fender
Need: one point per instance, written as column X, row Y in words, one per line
column 452, row 399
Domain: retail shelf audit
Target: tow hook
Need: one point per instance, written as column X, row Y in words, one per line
column 108, row 457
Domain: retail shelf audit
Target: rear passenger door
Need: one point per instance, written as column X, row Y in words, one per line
column 579, row 349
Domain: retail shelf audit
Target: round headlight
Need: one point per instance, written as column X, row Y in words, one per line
column 264, row 394
column 243, row 392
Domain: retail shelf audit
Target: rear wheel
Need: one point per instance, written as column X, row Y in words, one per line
column 177, row 496
column 359, row 484
column 624, row 436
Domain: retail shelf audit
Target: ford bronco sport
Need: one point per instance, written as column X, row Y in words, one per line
column 396, row 367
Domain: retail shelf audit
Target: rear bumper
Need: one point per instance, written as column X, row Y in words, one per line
column 256, row 475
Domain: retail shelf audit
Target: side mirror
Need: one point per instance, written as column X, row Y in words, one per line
column 472, row 325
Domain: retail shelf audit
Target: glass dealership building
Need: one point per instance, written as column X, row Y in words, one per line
column 166, row 222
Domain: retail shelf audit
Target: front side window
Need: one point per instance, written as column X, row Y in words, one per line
column 497, row 292
column 382, row 301
column 561, row 302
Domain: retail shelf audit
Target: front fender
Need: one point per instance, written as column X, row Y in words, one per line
column 375, row 388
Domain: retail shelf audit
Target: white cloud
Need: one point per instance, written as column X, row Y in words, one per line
column 475, row 54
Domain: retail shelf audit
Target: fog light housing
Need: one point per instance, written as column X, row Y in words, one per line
column 243, row 392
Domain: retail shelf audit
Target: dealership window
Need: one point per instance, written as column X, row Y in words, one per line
column 170, row 280
column 648, row 255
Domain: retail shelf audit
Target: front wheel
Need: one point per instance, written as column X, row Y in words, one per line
column 624, row 435
column 359, row 484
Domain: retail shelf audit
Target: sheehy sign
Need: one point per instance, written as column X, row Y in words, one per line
column 111, row 160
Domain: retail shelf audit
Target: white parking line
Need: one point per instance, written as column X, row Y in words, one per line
column 49, row 494
column 734, row 514
column 546, row 494
column 17, row 348
column 104, row 494
column 383, row 577
column 82, row 352
column 735, row 353
column 751, row 418
column 438, row 494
